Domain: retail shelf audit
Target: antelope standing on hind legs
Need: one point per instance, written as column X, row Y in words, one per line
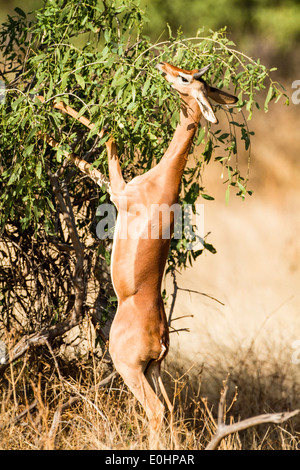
column 139, row 336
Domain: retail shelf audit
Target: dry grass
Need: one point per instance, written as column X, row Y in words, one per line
column 109, row 417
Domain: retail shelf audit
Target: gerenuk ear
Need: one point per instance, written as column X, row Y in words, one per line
column 205, row 106
column 220, row 96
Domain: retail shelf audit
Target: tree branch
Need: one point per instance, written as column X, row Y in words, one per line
column 176, row 288
column 38, row 339
column 82, row 165
column 48, row 334
column 224, row 430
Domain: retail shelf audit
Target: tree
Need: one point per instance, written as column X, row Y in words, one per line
column 94, row 57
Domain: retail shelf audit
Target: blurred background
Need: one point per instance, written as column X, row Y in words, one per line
column 255, row 273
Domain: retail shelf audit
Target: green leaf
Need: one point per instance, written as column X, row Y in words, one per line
column 38, row 170
column 15, row 175
column 268, row 98
column 206, row 196
column 28, row 150
column 32, row 133
column 80, row 80
column 210, row 247
column 20, row 12
column 59, row 154
column 227, row 195
column 36, row 212
column 17, row 102
column 201, row 135
column 208, row 151
column 64, row 80
column 50, row 204
column 146, row 87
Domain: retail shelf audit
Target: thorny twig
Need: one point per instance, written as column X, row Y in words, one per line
column 176, row 288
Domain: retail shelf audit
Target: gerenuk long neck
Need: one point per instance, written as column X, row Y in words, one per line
column 177, row 153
